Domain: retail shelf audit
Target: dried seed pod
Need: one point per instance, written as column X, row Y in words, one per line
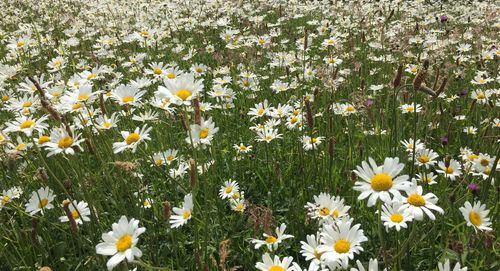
column 166, row 210
column 193, row 177
column 397, row 78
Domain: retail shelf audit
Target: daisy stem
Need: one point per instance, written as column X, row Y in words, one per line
column 380, row 230
column 150, row 267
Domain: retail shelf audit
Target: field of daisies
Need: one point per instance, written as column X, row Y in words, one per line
column 265, row 135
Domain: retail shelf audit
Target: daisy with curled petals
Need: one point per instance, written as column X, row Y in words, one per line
column 340, row 241
column 446, row 266
column 121, row 242
column 476, row 216
column 40, row 201
column 395, row 215
column 272, row 241
column 380, row 181
column 418, row 204
column 132, row 140
column 450, row 169
column 63, row 142
column 184, row 214
column 182, row 90
column 27, row 125
column 79, row 210
column 229, row 189
column 269, row 264
column 127, row 94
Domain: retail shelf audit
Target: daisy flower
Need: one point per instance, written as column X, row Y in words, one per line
column 79, row 210
column 380, row 181
column 340, row 241
column 326, row 206
column 269, row 264
column 395, row 215
column 410, row 108
column 40, row 201
column 184, row 214
column 310, row 249
column 446, row 266
column 259, row 110
column 182, row 90
column 272, row 241
column 418, row 204
column 425, row 157
column 7, row 196
column 450, row 170
column 427, row 178
column 372, row 266
column 476, row 216
column 27, row 125
column 229, row 188
column 238, row 205
column 132, row 140
column 267, row 134
column 409, row 144
column 241, row 148
column 104, row 122
column 310, row 143
column 203, row 133
column 62, row 142
column 127, row 94
column 121, row 242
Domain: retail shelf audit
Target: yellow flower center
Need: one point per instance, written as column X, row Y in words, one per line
column 396, row 218
column 271, row 239
column 269, row 138
column 276, row 268
column 171, row 75
column 106, row 124
column 186, row 214
column 313, row 140
column 324, row 211
column 423, row 158
column 76, row 106
column 43, row 202
column 27, row 104
column 381, row 182
column 132, row 138
column 472, row 157
column 240, row 206
column 21, row 146
column 158, row 162
column 293, row 120
column 484, row 162
column 183, row 94
column 475, row 218
column 349, row 108
column 198, row 70
column 42, row 139
column 335, row 213
column 342, row 246
column 410, row 108
column 246, row 83
column 416, row 200
column 124, row 243
column 128, row 99
column 5, row 98
column 157, row 71
column 449, row 170
column 170, row 158
column 243, row 147
column 481, row 96
column 20, row 44
column 91, row 76
column 144, row 33
column 229, row 189
column 26, row 124
column 5, row 199
column 204, row 133
column 83, row 97
column 65, row 142
column 75, row 214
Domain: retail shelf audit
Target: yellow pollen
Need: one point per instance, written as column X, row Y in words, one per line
column 203, row 133
column 410, row 108
column 271, row 239
column 293, row 120
column 91, row 76
column 158, row 162
column 276, row 268
column 83, row 97
column 472, row 157
column 157, row 71
column 5, row 199
column 381, row 182
column 144, row 33
column 413, row 70
column 20, row 44
column 107, row 124
column 269, row 138
column 396, row 218
column 240, row 206
column 65, row 142
column 260, row 111
column 342, row 246
column 21, row 146
column 75, row 214
column 183, row 94
column 27, row 104
column 246, row 83
column 324, row 211
column 243, row 147
column 132, row 138
column 128, row 99
column 475, row 218
column 26, row 124
column 42, row 139
column 349, row 108
column 335, row 213
column 423, row 159
column 186, row 214
column 171, row 75
column 416, row 200
column 449, row 170
column 481, row 96
column 43, row 202
column 484, row 162
column 76, row 106
column 124, row 243
column 198, row 70
column 313, row 140
column 229, row 189
column 5, row 98
column 170, row 158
